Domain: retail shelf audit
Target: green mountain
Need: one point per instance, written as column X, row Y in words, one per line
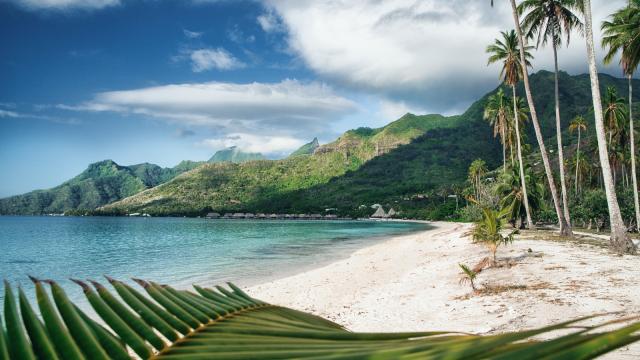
column 234, row 155
column 307, row 149
column 402, row 164
column 101, row 183
column 250, row 185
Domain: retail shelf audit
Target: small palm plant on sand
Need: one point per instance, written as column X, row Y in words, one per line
column 468, row 276
column 488, row 231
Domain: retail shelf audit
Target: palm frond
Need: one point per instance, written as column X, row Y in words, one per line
column 226, row 323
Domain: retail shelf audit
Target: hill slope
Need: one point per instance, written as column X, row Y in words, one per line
column 307, row 149
column 244, row 186
column 234, row 155
column 101, row 183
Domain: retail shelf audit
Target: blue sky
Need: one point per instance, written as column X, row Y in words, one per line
column 161, row 81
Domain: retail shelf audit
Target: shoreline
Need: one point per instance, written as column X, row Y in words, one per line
column 410, row 283
column 317, row 262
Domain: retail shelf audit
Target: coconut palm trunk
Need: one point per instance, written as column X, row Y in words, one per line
column 520, row 162
column 577, row 160
column 619, row 241
column 564, row 229
column 634, row 177
column 563, row 186
column 504, row 150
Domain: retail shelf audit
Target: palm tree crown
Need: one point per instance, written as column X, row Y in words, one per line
column 622, row 34
column 506, row 50
column 578, row 124
column 615, row 113
column 548, row 20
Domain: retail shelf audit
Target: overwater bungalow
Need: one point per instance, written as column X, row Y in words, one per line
column 261, row 216
column 238, row 215
column 213, row 215
column 249, row 216
column 228, row 216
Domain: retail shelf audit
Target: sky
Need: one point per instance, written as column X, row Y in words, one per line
column 162, row 81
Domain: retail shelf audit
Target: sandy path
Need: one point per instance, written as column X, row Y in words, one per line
column 411, row 283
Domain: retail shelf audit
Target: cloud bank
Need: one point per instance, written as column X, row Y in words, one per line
column 276, row 116
column 65, row 4
column 429, row 53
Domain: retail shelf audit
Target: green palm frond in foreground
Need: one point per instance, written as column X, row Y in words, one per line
column 225, row 323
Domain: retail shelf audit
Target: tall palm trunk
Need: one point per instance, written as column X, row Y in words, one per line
column 634, row 178
column 619, row 241
column 504, row 151
column 564, row 230
column 519, row 149
column 577, row 160
column 563, row 186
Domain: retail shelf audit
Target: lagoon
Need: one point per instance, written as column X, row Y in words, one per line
column 177, row 251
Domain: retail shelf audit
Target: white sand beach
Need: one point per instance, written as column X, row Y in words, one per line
column 411, row 283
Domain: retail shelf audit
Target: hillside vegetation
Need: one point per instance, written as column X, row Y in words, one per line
column 101, row 183
column 244, row 186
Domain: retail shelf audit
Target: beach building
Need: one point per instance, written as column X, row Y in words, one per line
column 379, row 214
column 213, row 215
column 391, row 213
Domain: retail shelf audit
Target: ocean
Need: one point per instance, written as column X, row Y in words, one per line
column 176, row 251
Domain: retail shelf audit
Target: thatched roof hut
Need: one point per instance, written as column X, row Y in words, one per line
column 213, row 215
column 391, row 213
column 379, row 213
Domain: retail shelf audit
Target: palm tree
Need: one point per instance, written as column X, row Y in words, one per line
column 620, row 242
column 506, row 51
column 512, row 195
column 468, row 276
column 496, row 113
column 488, row 231
column 582, row 168
column 477, row 168
column 615, row 115
column 622, row 35
column 226, row 323
column 548, row 20
column 564, row 228
column 578, row 123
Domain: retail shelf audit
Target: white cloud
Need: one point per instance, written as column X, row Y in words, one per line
column 287, row 109
column 65, row 4
column 20, row 115
column 269, row 22
column 208, row 59
column 7, row 113
column 191, row 34
column 391, row 110
column 430, row 53
column 275, row 145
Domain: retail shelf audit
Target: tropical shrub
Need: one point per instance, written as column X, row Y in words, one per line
column 488, row 231
column 226, row 323
column 468, row 276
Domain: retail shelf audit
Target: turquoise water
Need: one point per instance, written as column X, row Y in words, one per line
column 177, row 251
